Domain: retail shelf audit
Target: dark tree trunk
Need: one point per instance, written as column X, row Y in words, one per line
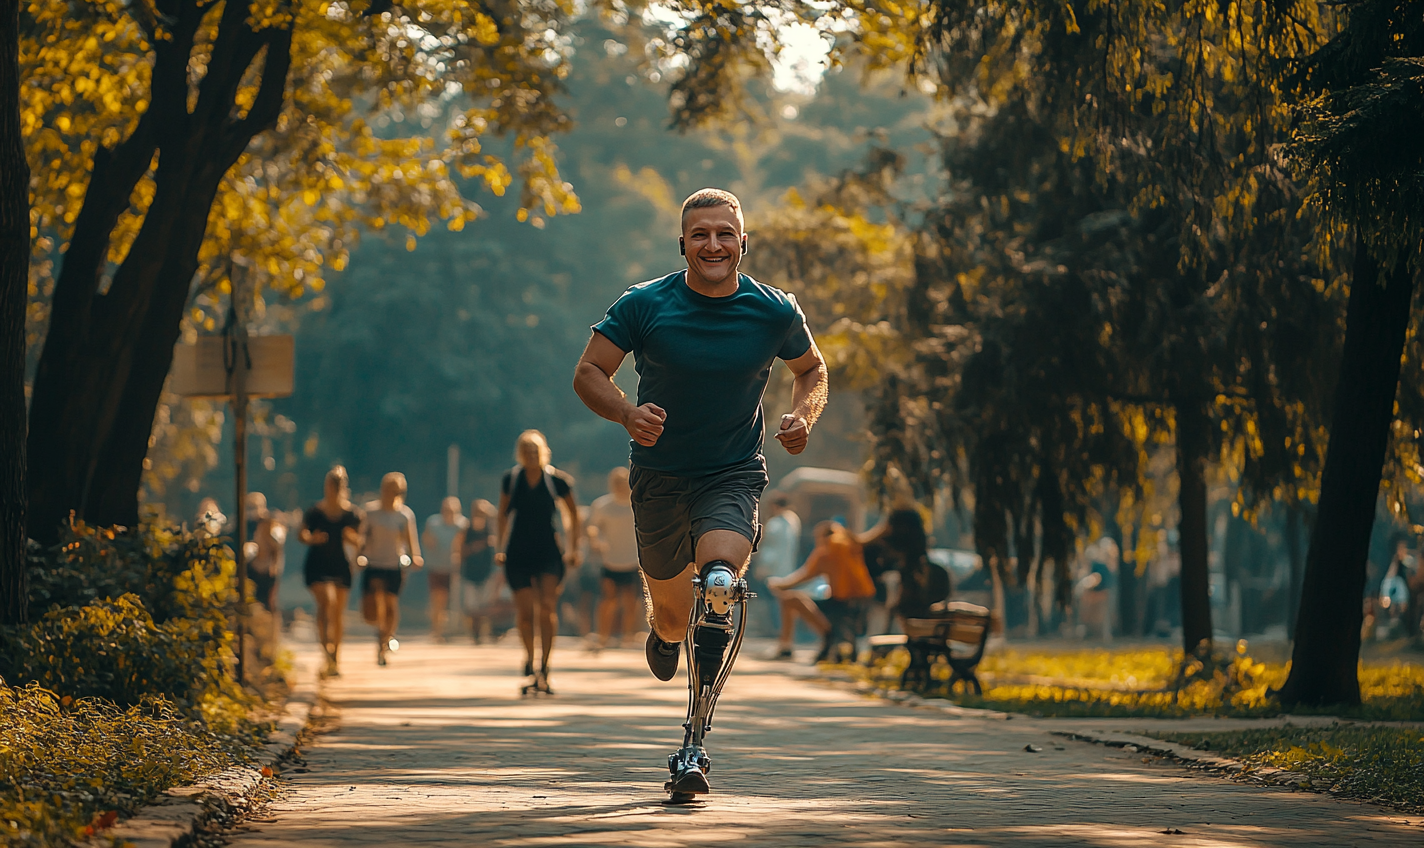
column 106, row 356
column 1297, row 567
column 1193, row 445
column 1326, row 654
column 14, row 294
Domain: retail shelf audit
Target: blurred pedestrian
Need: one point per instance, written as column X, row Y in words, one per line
column 389, row 545
column 617, row 545
column 210, row 518
column 264, row 551
column 1394, row 614
column 533, row 559
column 328, row 529
column 904, row 543
column 778, row 554
column 479, row 580
column 444, row 535
column 837, row 557
column 578, row 597
column 1097, row 588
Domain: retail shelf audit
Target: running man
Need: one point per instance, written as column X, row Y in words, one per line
column 703, row 341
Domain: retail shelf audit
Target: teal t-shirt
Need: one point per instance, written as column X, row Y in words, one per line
column 706, row 361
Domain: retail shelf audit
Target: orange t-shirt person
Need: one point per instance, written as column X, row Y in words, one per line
column 837, row 557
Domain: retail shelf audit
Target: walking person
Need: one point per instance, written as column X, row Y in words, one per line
column 704, row 340
column 479, row 580
column 264, row 551
column 388, row 546
column 837, row 557
column 328, row 529
column 777, row 556
column 443, row 538
column 534, row 560
column 617, row 544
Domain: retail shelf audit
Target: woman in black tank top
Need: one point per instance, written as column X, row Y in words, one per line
column 533, row 561
column 327, row 529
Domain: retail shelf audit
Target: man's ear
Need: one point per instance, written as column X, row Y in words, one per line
column 681, row 246
column 744, row 244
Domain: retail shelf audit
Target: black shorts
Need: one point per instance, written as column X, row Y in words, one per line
column 262, row 586
column 391, row 578
column 672, row 513
column 323, row 572
column 622, row 579
column 521, row 575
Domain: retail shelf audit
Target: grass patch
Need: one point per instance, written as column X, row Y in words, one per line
column 1151, row 682
column 71, row 767
column 1383, row 765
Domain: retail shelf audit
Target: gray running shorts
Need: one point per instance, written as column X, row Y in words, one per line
column 671, row 513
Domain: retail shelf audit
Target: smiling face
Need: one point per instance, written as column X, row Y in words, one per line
column 712, row 240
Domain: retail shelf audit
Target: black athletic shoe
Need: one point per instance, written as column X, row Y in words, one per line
column 689, row 781
column 662, row 656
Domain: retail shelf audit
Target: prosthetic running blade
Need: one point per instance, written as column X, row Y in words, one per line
column 714, row 638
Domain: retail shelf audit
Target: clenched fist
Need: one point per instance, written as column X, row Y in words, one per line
column 645, row 423
column 793, row 433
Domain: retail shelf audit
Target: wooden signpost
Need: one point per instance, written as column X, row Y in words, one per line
column 236, row 367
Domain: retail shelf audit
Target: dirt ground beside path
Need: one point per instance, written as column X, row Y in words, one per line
column 439, row 749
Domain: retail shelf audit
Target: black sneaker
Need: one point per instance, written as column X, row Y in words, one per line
column 689, row 780
column 662, row 656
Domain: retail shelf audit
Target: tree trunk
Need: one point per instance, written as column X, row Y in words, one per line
column 1326, row 654
column 1193, row 445
column 107, row 356
column 1297, row 567
column 14, row 294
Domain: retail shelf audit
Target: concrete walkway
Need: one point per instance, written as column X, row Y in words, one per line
column 439, row 749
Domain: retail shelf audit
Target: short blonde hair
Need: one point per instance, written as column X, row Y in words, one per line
column 532, row 440
column 706, row 198
column 397, row 479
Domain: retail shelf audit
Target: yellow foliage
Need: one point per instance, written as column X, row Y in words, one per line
column 380, row 115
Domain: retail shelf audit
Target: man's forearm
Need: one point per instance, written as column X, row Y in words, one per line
column 600, row 394
column 809, row 392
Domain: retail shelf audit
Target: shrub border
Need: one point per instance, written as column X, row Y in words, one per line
column 177, row 815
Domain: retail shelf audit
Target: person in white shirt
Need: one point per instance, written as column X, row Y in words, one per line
column 777, row 556
column 389, row 545
column 443, row 537
column 617, row 545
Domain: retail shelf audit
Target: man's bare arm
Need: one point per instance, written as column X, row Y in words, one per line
column 593, row 382
column 808, row 399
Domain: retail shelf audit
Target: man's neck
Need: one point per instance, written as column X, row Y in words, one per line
column 726, row 288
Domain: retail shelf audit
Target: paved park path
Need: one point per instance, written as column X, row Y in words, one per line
column 439, row 749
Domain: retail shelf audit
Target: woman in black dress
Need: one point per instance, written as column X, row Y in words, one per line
column 327, row 529
column 533, row 560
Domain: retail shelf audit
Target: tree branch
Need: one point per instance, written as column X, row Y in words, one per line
column 234, row 48
column 271, row 96
column 111, row 185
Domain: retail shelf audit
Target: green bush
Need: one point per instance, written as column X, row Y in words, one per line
column 125, row 616
column 122, row 684
column 174, row 573
column 65, row 762
column 112, row 649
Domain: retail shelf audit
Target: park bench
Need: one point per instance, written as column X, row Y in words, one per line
column 956, row 632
